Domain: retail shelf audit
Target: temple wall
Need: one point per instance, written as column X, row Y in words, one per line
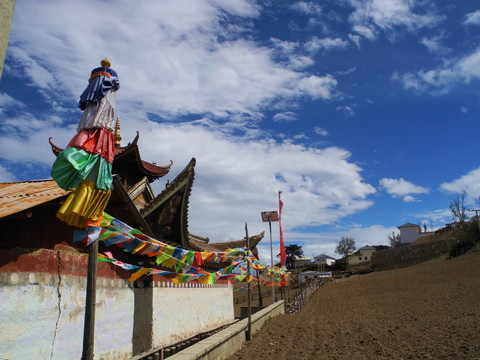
column 42, row 304
column 180, row 313
column 44, row 314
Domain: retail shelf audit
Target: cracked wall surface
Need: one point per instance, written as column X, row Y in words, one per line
column 59, row 297
column 29, row 312
column 42, row 307
column 43, row 312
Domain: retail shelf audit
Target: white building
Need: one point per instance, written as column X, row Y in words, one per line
column 323, row 260
column 410, row 232
column 361, row 255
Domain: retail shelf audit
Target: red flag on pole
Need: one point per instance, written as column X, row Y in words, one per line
column 283, row 254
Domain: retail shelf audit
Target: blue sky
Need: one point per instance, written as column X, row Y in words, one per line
column 363, row 112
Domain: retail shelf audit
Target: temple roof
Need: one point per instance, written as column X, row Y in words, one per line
column 164, row 216
column 198, row 244
column 121, row 206
column 23, row 195
column 167, row 213
column 130, row 154
column 168, row 210
column 151, row 170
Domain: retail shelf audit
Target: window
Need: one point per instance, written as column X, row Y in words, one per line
column 360, row 258
column 366, row 258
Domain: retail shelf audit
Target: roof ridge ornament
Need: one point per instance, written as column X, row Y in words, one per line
column 117, row 138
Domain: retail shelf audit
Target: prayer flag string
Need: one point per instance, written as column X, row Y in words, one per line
column 186, row 263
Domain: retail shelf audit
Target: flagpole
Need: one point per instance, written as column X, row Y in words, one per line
column 283, row 254
column 249, row 326
column 269, row 216
column 89, row 321
column 271, row 256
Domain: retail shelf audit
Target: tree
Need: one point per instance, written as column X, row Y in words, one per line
column 394, row 239
column 345, row 247
column 457, row 208
column 293, row 251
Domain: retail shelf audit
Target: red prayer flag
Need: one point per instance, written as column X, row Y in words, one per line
column 283, row 254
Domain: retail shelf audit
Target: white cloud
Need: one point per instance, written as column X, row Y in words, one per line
column 181, row 58
column 6, row 175
column 435, row 45
column 441, row 80
column 300, row 136
column 371, row 235
column 291, row 54
column 469, row 66
column 24, row 131
column 239, row 181
column 409, row 198
column 308, row 8
column 320, row 131
column 38, row 73
column 6, row 102
column 316, row 44
column 316, row 87
column 469, row 182
column 347, row 110
column 402, row 188
column 346, row 72
column 285, row 117
column 365, row 31
column 371, row 16
column 435, row 218
column 473, row 18
column 355, row 39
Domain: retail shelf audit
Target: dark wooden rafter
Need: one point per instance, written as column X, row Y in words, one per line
column 142, row 188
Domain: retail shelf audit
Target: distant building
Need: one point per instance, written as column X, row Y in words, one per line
column 302, row 262
column 410, row 232
column 323, row 260
column 364, row 254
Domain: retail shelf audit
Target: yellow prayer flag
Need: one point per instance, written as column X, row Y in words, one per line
column 138, row 274
column 139, row 247
column 180, row 278
column 172, row 262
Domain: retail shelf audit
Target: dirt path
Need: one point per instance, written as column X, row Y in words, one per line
column 428, row 311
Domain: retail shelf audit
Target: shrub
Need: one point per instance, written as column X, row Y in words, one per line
column 466, row 238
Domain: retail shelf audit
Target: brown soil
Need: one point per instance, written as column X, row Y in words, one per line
column 427, row 311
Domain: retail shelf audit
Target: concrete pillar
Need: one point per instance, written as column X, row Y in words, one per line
column 6, row 15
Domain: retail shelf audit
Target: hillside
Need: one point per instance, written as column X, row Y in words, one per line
column 442, row 234
column 427, row 311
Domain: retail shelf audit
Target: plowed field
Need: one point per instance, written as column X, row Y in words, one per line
column 427, row 311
